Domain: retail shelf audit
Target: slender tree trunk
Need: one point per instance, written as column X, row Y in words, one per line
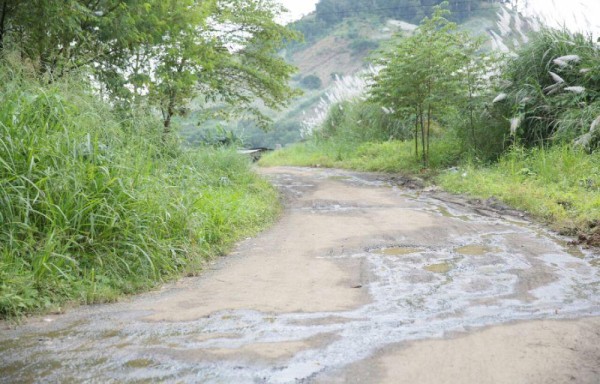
column 472, row 122
column 422, row 135
column 168, row 115
column 3, row 24
column 428, row 133
column 471, row 80
column 417, row 133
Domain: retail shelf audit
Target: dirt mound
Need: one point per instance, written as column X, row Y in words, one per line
column 592, row 238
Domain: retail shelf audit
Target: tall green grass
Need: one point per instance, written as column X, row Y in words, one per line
column 560, row 185
column 385, row 156
column 94, row 204
column 552, row 89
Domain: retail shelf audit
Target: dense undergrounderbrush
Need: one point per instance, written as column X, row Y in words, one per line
column 551, row 90
column 95, row 203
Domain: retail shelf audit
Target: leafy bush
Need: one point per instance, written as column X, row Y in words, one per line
column 360, row 121
column 363, row 45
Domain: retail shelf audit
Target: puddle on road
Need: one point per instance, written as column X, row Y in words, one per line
column 476, row 250
column 339, row 178
column 398, row 251
column 426, row 293
column 438, row 268
column 444, row 211
column 140, row 363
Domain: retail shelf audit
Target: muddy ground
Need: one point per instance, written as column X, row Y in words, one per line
column 361, row 281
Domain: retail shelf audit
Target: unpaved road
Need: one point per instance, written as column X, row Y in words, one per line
column 359, row 282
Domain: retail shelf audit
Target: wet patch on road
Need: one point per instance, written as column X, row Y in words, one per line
column 467, row 272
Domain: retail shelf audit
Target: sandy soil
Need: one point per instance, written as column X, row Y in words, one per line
column 531, row 352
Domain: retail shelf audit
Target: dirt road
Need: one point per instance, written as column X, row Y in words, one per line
column 359, row 282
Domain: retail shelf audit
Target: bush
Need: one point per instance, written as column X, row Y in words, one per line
column 363, row 45
column 360, row 121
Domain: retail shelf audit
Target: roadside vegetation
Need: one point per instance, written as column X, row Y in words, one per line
column 95, row 205
column 523, row 128
column 97, row 195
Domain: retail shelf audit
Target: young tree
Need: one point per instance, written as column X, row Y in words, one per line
column 421, row 75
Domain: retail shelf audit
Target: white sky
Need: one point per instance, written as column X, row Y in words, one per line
column 580, row 15
column 298, row 8
column 577, row 15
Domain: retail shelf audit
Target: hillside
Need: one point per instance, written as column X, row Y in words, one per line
column 342, row 49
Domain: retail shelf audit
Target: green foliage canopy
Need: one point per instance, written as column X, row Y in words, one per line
column 163, row 51
column 426, row 73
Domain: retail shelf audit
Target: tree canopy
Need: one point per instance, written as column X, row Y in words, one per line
column 167, row 52
column 427, row 73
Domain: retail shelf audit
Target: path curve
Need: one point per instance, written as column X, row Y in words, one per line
column 359, row 282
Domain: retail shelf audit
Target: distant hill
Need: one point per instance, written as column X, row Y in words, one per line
column 341, row 35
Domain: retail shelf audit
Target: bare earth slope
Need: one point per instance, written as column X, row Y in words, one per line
column 360, row 281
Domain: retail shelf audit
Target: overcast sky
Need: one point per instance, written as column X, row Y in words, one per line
column 576, row 14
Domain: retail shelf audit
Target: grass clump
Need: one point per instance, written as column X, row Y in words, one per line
column 94, row 204
column 385, row 156
column 560, row 185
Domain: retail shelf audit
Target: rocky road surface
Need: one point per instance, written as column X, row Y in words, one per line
column 361, row 281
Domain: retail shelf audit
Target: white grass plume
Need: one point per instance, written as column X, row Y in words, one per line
column 564, row 61
column 515, row 122
column 500, row 97
column 575, row 89
column 557, row 79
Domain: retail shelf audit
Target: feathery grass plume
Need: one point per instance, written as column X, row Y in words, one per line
column 564, row 61
column 344, row 88
column 557, row 79
column 575, row 89
column 586, row 140
column 515, row 122
column 549, row 85
column 502, row 96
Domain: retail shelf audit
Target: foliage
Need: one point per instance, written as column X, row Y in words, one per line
column 93, row 205
column 363, row 45
column 59, row 36
column 386, row 156
column 360, row 121
column 333, row 11
column 168, row 52
column 551, row 90
column 422, row 76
